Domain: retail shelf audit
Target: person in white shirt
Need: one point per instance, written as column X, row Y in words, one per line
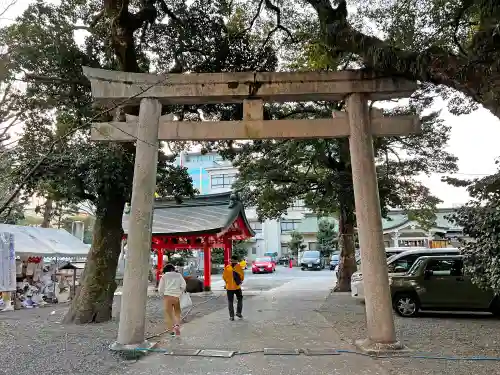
column 171, row 286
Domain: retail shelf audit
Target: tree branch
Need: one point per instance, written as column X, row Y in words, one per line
column 93, row 22
column 252, row 22
column 7, row 7
column 434, row 65
column 456, row 25
column 164, row 7
column 279, row 26
column 46, row 79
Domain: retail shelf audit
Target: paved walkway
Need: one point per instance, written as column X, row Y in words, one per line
column 283, row 317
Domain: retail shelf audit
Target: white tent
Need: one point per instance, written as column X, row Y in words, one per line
column 46, row 242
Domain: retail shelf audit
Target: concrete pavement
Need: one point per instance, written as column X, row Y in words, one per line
column 283, row 317
column 267, row 281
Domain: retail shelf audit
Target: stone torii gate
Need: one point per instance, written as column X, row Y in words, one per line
column 150, row 91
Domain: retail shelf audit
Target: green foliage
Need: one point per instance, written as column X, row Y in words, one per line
column 480, row 220
column 181, row 258
column 240, row 250
column 274, row 173
column 218, row 255
column 14, row 214
column 326, row 237
column 11, row 114
column 296, row 243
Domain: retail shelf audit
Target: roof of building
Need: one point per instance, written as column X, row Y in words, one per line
column 397, row 218
column 46, row 242
column 203, row 214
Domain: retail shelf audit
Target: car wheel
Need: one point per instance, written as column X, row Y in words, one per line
column 495, row 306
column 254, row 272
column 406, row 305
column 302, row 268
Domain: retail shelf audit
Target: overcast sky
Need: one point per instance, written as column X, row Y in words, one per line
column 474, row 138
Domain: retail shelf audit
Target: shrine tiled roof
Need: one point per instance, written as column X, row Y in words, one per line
column 203, row 214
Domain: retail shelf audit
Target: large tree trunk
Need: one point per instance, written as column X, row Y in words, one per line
column 94, row 297
column 47, row 213
column 347, row 262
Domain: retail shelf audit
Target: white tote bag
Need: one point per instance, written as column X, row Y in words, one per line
column 185, row 301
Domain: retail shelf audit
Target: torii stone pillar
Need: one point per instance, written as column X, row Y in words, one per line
column 379, row 319
column 135, row 281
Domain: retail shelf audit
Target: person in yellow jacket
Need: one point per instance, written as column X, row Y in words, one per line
column 233, row 276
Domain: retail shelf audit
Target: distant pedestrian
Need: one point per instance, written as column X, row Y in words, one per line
column 233, row 276
column 171, row 286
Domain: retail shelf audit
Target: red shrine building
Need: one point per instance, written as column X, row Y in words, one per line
column 200, row 223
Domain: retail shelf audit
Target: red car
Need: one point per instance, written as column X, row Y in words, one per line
column 263, row 265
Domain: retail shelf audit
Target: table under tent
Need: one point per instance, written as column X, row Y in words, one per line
column 29, row 262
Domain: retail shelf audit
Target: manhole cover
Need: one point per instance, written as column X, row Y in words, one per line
column 216, row 353
column 183, row 352
column 321, row 351
column 281, row 351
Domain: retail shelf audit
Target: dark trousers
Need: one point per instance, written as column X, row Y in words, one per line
column 230, row 301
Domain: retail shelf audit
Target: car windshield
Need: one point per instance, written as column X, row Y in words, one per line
column 391, row 258
column 265, row 259
column 415, row 267
column 311, row 254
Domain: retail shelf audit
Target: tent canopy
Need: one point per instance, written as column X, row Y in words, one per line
column 45, row 242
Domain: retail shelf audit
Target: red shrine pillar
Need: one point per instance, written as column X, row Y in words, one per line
column 227, row 252
column 159, row 267
column 207, row 261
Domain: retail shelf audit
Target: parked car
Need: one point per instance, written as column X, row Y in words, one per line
column 399, row 263
column 263, row 265
column 439, row 283
column 334, row 261
column 312, row 260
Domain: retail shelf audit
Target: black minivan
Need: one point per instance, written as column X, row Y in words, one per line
column 311, row 260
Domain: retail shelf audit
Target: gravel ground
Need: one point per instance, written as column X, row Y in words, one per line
column 459, row 335
column 34, row 342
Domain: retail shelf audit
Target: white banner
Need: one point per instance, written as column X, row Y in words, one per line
column 7, row 263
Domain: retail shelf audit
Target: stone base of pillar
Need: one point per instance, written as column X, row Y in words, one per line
column 369, row 347
column 133, row 350
column 207, row 288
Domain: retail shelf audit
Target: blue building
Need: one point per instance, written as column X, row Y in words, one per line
column 196, row 164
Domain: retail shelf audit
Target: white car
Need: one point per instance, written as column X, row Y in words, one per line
column 398, row 264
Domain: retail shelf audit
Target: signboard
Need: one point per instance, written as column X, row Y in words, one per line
column 7, row 263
